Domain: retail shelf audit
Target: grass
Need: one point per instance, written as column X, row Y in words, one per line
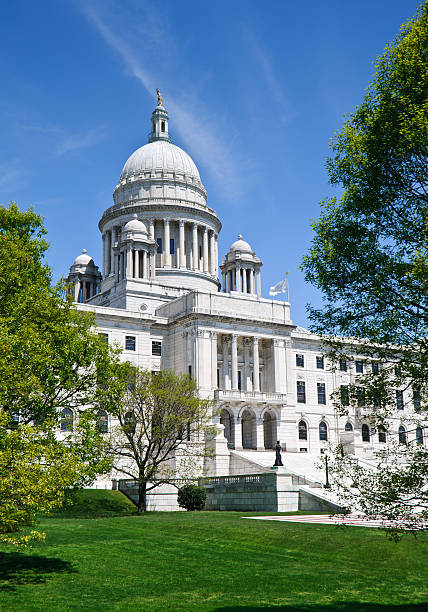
column 210, row 561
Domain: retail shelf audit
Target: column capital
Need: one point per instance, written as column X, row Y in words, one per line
column 181, row 223
column 213, row 334
column 255, row 339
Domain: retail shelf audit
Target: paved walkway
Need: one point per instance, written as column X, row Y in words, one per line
column 354, row 520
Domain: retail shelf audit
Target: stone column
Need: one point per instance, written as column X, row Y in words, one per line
column 152, row 229
column 153, row 263
column 223, row 281
column 225, row 376
column 205, row 250
column 215, row 255
column 256, row 369
column 143, row 270
column 166, row 248
column 260, row 438
column 291, row 385
column 128, row 261
column 109, row 253
column 136, row 263
column 195, row 253
column 104, row 239
column 244, row 280
column 259, row 288
column 279, row 367
column 247, row 374
column 234, row 351
column 252, row 282
column 213, row 359
column 76, row 290
column 237, row 425
column 182, row 249
column 212, row 253
column 238, row 283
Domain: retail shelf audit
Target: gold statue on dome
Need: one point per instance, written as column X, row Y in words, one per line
column 159, row 97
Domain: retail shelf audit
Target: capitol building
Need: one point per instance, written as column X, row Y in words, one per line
column 171, row 301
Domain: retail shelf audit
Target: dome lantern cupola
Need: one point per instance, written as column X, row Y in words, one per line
column 241, row 269
column 84, row 277
column 159, row 122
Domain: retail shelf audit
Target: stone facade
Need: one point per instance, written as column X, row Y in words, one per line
column 160, row 299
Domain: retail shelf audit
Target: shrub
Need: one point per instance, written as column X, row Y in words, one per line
column 192, row 497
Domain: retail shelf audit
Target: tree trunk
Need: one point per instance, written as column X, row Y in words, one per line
column 142, row 496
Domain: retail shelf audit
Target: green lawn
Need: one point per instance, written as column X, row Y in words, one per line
column 209, row 561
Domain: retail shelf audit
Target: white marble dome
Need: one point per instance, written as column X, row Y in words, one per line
column 134, row 225
column 160, row 155
column 241, row 245
column 83, row 260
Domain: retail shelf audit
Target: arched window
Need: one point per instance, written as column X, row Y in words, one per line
column 402, row 437
column 66, row 420
column 102, row 421
column 323, row 430
column 381, row 432
column 419, row 435
column 348, row 427
column 365, row 433
column 303, row 431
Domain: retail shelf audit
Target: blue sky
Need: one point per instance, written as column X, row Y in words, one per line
column 254, row 90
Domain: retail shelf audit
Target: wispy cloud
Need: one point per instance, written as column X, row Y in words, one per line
column 194, row 123
column 11, row 174
column 81, row 140
column 273, row 83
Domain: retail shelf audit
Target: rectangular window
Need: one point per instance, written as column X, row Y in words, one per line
column 375, row 367
column 303, row 450
column 200, row 252
column 416, row 401
column 343, row 366
column 321, row 393
column 239, row 380
column 130, row 343
column 359, row 391
column 159, row 247
column 344, row 395
column 399, row 400
column 104, row 337
column 171, row 246
column 218, row 378
column 320, row 362
column 359, row 367
column 300, row 361
column 301, row 392
column 156, row 348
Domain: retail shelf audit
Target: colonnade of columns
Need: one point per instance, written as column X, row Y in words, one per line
column 242, row 279
column 198, row 252
column 133, row 261
column 83, row 290
column 230, row 348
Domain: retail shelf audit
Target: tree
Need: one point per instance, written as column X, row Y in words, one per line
column 51, row 359
column 161, row 425
column 369, row 257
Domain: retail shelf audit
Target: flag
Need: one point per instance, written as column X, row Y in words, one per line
column 281, row 287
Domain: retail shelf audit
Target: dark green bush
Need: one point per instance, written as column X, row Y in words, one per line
column 192, row 497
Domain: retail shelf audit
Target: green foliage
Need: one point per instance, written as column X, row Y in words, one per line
column 50, row 359
column 94, row 503
column 161, row 426
column 369, row 256
column 191, row 497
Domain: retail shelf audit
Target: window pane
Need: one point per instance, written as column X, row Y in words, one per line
column 156, row 348
column 365, row 432
column 300, row 361
column 303, row 431
column 343, row 365
column 130, row 343
column 402, row 435
column 348, row 427
column 399, row 400
column 321, row 393
column 320, row 362
column 323, row 430
column 375, row 367
column 66, row 420
column 171, row 246
column 344, row 395
column 382, row 433
column 159, row 243
column 359, row 368
column 419, row 435
column 301, row 392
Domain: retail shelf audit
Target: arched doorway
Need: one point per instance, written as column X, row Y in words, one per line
column 269, row 430
column 249, row 434
column 226, row 419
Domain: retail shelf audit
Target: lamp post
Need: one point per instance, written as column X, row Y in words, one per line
column 327, row 484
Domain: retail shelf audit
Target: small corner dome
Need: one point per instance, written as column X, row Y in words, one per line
column 241, row 245
column 83, row 260
column 134, row 225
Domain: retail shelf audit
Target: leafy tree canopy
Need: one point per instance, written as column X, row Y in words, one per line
column 369, row 256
